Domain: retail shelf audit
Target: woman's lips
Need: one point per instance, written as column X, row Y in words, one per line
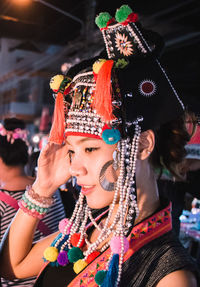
column 86, row 189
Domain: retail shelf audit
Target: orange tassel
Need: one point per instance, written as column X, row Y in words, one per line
column 58, row 126
column 103, row 92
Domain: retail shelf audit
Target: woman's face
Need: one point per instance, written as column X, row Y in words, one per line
column 87, row 157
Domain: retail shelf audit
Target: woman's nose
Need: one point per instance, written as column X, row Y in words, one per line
column 77, row 168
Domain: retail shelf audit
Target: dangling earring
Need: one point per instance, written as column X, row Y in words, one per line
column 73, row 181
column 105, row 184
column 115, row 160
column 116, row 157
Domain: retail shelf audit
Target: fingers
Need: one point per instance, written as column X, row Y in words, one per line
column 46, row 148
column 64, row 150
column 53, row 151
column 46, row 153
column 50, row 148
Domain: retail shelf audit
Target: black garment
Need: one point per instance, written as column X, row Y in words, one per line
column 145, row 268
column 155, row 260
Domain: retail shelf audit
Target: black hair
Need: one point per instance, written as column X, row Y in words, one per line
column 15, row 153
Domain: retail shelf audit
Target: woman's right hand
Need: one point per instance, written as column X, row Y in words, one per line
column 53, row 169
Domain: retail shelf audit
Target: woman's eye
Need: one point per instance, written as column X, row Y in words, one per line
column 90, row 149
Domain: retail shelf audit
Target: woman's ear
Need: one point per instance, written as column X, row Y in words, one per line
column 146, row 144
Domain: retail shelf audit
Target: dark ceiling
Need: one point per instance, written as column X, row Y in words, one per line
column 176, row 20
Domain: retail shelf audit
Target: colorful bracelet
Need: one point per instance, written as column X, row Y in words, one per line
column 38, row 198
column 29, row 200
column 31, row 205
column 31, row 212
column 35, row 205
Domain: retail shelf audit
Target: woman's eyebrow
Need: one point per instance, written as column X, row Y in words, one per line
column 86, row 139
column 82, row 140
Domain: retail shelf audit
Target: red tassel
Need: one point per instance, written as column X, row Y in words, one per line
column 103, row 92
column 58, row 126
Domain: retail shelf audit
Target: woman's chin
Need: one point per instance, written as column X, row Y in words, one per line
column 96, row 204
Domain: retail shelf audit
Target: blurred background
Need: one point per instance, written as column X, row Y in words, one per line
column 39, row 39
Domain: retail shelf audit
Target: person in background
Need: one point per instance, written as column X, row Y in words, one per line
column 14, row 180
column 183, row 190
column 116, row 116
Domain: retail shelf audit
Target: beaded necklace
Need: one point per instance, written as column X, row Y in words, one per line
column 67, row 247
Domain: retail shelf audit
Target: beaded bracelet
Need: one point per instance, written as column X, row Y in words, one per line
column 32, row 212
column 28, row 199
column 38, row 207
column 38, row 198
column 34, row 204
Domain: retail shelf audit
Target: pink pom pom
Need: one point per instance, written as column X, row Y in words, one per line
column 115, row 244
column 62, row 224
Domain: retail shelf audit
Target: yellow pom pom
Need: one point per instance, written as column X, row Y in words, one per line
column 79, row 266
column 56, row 81
column 97, row 65
column 51, row 253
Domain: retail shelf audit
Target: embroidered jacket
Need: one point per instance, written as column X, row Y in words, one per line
column 153, row 253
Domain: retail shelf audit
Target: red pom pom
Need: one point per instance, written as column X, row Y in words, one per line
column 133, row 17
column 75, row 239
column 92, row 256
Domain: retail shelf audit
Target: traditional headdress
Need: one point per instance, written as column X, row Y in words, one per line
column 114, row 98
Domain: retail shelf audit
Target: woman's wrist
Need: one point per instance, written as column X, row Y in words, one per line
column 44, row 201
column 42, row 190
column 34, row 204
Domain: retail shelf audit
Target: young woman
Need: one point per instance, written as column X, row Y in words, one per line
column 13, row 179
column 115, row 120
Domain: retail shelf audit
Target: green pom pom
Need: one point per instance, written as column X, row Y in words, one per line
column 122, row 13
column 75, row 254
column 99, row 277
column 102, row 19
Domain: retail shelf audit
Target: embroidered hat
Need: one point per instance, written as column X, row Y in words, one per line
column 129, row 85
